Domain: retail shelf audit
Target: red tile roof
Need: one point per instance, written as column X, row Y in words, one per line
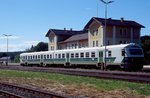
column 76, row 38
column 114, row 22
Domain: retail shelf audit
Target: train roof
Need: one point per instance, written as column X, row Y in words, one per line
column 121, row 46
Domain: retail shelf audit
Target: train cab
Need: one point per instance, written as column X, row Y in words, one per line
column 133, row 57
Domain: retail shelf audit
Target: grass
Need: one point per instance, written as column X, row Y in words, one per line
column 77, row 80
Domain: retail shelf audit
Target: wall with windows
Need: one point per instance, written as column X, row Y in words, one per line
column 95, row 35
column 52, row 45
column 73, row 45
column 127, row 35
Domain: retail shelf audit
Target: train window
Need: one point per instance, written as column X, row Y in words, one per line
column 38, row 56
column 77, row 55
column 63, row 55
column 93, row 54
column 44, row 56
column 41, row 56
column 82, row 55
column 135, row 51
column 55, row 55
column 72, row 55
column 87, row 54
column 109, row 53
column 123, row 52
column 59, row 55
column 48, row 56
column 34, row 57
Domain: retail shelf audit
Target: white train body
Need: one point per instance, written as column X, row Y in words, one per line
column 128, row 56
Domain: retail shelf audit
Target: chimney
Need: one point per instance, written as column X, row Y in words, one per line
column 122, row 19
column 64, row 29
column 70, row 29
column 109, row 18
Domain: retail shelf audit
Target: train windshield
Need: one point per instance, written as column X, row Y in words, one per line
column 136, row 51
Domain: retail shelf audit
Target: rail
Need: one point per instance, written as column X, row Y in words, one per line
column 15, row 91
column 117, row 75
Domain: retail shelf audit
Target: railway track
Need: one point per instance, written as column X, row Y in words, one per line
column 8, row 90
column 117, row 75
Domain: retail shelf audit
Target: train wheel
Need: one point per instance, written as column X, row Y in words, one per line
column 102, row 66
column 67, row 64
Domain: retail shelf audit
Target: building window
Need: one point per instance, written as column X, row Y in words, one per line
column 75, row 45
column 108, row 42
column 120, row 42
column 52, row 47
column 93, row 32
column 97, row 43
column 51, row 39
column 96, row 32
column 80, row 45
column 72, row 46
column 120, row 32
column 125, row 32
column 125, row 42
column 93, row 43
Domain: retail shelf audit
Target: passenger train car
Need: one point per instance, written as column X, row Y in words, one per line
column 126, row 56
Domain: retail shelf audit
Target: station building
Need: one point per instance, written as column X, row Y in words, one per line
column 93, row 34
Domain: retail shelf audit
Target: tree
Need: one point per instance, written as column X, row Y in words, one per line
column 145, row 43
column 41, row 46
column 16, row 59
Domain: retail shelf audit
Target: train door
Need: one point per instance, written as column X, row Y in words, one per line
column 100, row 63
column 67, row 57
column 67, row 60
column 100, row 60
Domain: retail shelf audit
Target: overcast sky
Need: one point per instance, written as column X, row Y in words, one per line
column 29, row 20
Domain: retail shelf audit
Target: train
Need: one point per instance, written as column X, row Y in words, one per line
column 125, row 56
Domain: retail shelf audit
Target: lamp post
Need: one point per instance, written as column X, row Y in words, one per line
column 105, row 29
column 6, row 35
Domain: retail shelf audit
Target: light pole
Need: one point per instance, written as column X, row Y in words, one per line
column 6, row 35
column 105, row 29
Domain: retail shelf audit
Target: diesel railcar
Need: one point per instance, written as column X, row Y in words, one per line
column 126, row 56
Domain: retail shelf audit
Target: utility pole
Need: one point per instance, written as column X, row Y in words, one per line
column 6, row 35
column 105, row 29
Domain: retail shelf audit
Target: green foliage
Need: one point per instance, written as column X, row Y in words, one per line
column 11, row 54
column 16, row 59
column 78, row 80
column 41, row 46
column 145, row 43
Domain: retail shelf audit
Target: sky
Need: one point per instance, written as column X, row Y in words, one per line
column 28, row 21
